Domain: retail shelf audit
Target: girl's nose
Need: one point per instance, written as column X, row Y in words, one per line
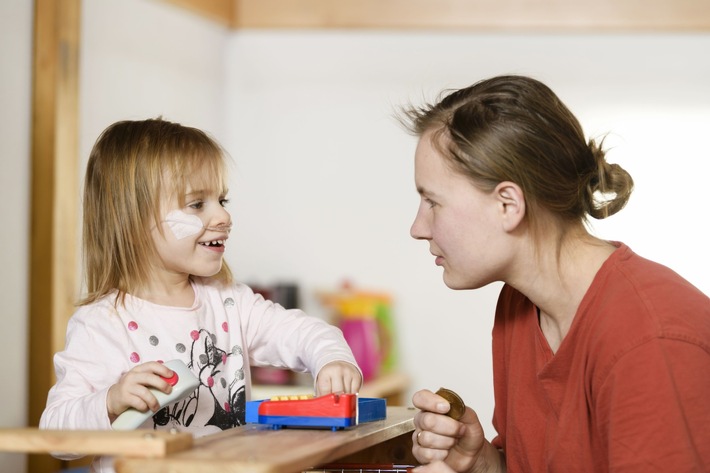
column 221, row 221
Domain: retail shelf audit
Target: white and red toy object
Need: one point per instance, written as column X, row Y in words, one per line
column 183, row 381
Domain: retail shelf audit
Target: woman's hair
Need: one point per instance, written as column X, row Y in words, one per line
column 514, row 128
column 133, row 166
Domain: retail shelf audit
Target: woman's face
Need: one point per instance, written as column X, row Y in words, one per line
column 462, row 224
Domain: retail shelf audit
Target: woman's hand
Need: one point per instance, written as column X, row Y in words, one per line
column 445, row 445
column 132, row 389
column 338, row 377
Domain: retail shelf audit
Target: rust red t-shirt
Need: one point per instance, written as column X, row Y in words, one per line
column 629, row 387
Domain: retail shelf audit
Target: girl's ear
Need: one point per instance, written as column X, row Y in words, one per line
column 512, row 204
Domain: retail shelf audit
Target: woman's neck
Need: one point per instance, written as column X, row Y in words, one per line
column 557, row 281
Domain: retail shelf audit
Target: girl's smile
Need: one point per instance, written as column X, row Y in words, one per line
column 213, row 245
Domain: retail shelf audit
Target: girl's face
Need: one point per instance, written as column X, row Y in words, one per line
column 194, row 236
column 461, row 223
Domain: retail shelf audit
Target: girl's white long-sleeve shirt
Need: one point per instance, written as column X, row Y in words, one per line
column 228, row 329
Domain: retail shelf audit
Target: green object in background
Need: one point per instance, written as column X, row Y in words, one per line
column 383, row 314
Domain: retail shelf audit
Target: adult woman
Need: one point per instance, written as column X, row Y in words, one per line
column 601, row 358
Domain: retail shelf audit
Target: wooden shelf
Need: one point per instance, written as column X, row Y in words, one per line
column 473, row 15
column 391, row 386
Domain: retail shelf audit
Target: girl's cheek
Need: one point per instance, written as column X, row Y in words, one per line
column 183, row 225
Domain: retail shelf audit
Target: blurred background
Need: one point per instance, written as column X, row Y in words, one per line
column 322, row 190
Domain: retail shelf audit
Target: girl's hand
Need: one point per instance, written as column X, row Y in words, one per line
column 444, row 444
column 338, row 377
column 132, row 389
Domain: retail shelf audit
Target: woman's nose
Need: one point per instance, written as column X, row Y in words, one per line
column 418, row 228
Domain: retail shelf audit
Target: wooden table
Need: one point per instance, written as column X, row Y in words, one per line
column 260, row 449
column 248, row 449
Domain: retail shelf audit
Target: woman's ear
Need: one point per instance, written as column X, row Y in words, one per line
column 512, row 204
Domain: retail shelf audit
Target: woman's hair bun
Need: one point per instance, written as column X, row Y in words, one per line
column 609, row 186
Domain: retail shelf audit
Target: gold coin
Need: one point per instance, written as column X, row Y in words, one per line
column 457, row 406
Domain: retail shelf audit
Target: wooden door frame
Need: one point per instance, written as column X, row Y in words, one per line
column 54, row 198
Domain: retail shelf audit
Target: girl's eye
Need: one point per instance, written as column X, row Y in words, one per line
column 197, row 205
column 223, row 201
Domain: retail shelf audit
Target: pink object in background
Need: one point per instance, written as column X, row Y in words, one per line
column 362, row 335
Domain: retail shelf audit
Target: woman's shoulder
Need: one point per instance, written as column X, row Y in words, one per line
column 634, row 297
column 634, row 278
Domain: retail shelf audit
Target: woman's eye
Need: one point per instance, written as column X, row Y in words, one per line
column 196, row 205
column 223, row 202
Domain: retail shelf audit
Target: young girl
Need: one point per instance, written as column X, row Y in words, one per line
column 155, row 230
column 601, row 358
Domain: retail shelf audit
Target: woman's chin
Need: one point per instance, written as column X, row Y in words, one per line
column 461, row 285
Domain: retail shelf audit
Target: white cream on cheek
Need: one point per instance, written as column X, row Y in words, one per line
column 183, row 225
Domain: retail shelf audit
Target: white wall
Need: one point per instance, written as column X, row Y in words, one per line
column 323, row 186
column 143, row 59
column 15, row 67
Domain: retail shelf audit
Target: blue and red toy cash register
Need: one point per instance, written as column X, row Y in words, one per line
column 334, row 411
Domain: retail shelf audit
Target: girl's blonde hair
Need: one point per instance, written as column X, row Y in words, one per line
column 133, row 166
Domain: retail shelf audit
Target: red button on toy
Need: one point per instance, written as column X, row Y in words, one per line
column 172, row 381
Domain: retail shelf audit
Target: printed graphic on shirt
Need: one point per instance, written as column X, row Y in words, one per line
column 220, row 400
column 220, row 387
